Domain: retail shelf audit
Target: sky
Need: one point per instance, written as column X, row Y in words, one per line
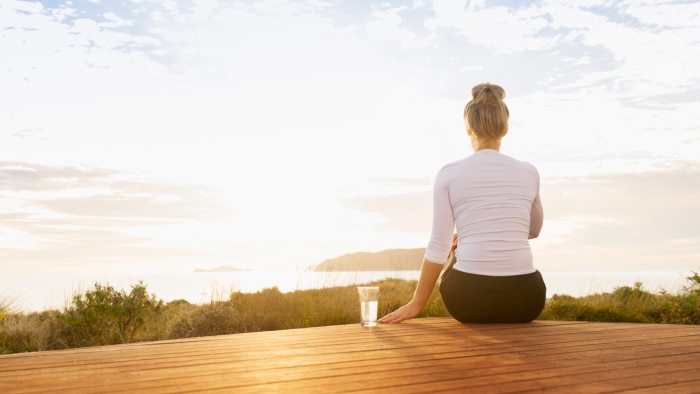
column 165, row 136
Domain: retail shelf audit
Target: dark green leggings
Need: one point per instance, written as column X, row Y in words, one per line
column 472, row 298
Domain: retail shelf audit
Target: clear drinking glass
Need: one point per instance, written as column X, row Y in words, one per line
column 369, row 301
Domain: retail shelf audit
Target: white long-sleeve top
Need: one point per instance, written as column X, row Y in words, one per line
column 494, row 202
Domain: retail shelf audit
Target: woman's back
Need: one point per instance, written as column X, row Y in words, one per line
column 491, row 196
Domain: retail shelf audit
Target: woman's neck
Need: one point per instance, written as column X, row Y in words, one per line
column 481, row 144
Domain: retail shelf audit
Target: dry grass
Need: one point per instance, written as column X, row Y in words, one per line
column 271, row 309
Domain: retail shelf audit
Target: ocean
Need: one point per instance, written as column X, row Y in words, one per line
column 38, row 292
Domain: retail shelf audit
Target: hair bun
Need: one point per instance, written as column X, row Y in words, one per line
column 487, row 88
column 486, row 115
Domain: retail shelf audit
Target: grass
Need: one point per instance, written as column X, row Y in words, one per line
column 105, row 315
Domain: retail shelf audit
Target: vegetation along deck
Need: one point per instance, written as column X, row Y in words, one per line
column 422, row 355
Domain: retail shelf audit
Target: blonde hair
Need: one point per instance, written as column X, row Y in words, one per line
column 486, row 115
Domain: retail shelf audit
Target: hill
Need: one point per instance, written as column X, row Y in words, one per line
column 386, row 260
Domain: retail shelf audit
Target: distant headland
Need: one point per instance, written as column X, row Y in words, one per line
column 386, row 260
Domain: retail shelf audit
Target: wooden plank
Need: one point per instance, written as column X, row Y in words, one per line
column 216, row 360
column 418, row 356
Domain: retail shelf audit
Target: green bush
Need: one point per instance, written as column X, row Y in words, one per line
column 599, row 307
column 105, row 316
column 682, row 308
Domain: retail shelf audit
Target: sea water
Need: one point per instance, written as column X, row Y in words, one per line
column 368, row 313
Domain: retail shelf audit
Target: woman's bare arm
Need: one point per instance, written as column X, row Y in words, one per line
column 429, row 273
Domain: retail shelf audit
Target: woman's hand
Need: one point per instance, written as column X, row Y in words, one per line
column 429, row 273
column 408, row 311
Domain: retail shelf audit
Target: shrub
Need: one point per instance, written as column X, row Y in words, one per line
column 324, row 307
column 624, row 304
column 629, row 304
column 268, row 309
column 682, row 308
column 31, row 332
column 599, row 307
column 17, row 334
column 216, row 318
column 105, row 316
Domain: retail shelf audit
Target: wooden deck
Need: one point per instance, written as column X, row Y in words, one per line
column 423, row 355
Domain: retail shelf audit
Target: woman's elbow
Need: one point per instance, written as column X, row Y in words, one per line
column 535, row 229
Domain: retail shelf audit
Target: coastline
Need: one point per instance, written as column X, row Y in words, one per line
column 35, row 293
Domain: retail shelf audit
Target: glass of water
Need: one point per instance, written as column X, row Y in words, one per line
column 369, row 301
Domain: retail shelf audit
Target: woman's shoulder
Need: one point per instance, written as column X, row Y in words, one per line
column 453, row 169
column 521, row 163
column 486, row 159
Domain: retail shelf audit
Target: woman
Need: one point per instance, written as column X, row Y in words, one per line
column 493, row 200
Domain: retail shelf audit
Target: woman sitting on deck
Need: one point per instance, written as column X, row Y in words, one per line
column 493, row 200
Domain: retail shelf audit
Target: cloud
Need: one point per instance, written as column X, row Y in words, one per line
column 18, row 176
column 646, row 219
column 673, row 14
column 649, row 57
column 505, row 30
column 102, row 193
column 637, row 52
column 73, row 214
column 330, row 102
column 66, row 68
column 387, row 24
column 399, row 213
